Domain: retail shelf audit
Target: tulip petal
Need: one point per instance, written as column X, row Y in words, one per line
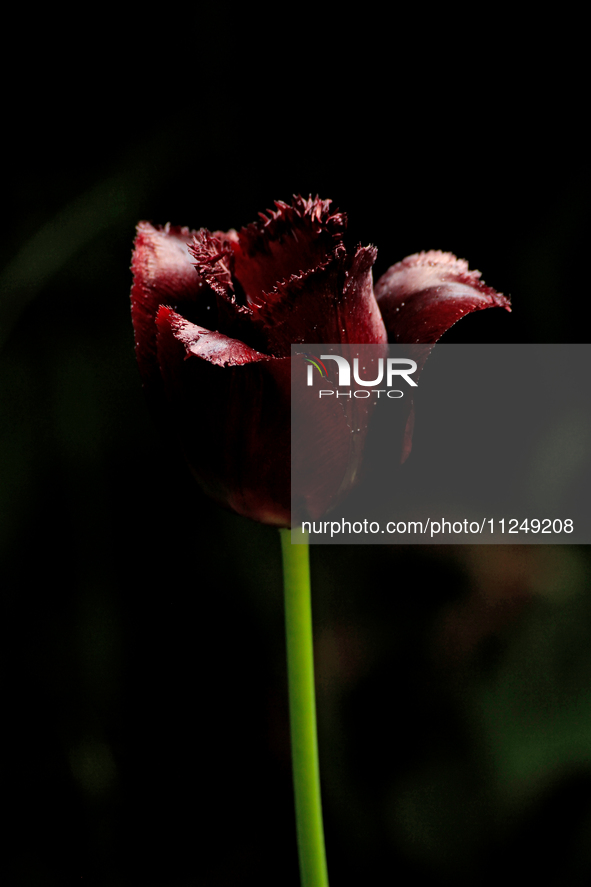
column 422, row 297
column 162, row 274
column 425, row 294
column 216, row 348
column 290, row 240
column 231, row 405
column 214, row 260
column 328, row 446
column 328, row 304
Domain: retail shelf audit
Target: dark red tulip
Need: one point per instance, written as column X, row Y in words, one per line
column 215, row 315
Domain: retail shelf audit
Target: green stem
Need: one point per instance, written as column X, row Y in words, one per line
column 302, row 712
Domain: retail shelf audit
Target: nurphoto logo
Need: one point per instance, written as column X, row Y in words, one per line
column 396, row 368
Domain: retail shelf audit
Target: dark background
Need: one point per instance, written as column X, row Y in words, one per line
column 144, row 729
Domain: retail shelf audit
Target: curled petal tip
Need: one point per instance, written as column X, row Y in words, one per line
column 422, row 296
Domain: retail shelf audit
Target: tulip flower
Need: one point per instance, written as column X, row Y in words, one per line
column 215, row 315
